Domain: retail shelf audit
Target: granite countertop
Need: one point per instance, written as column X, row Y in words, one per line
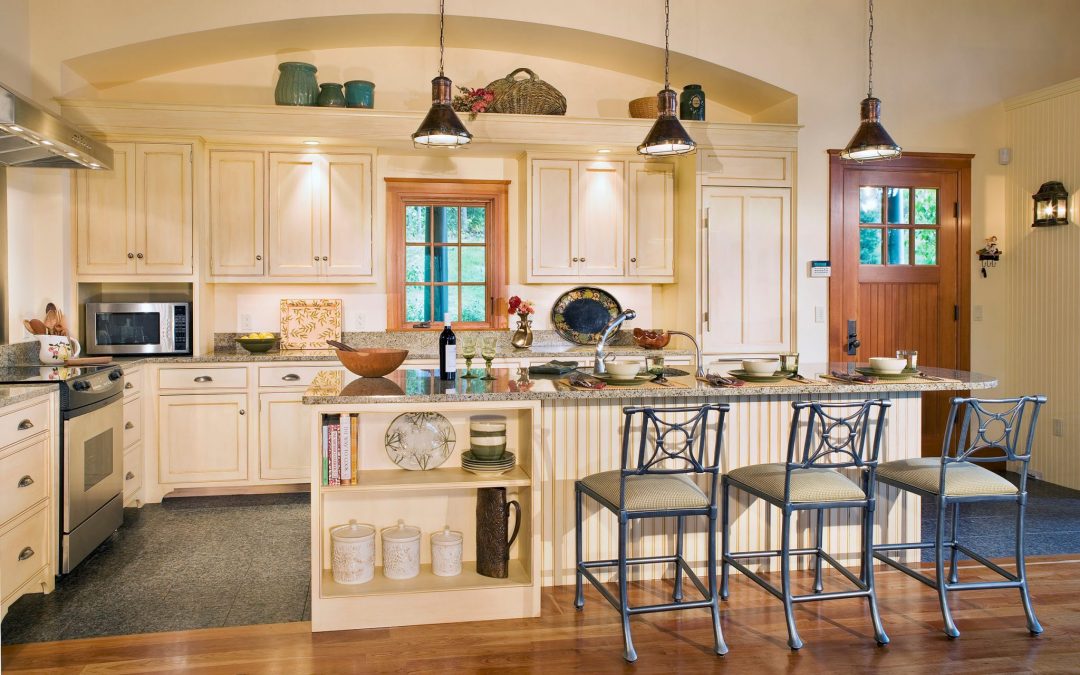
column 10, row 395
column 423, row 385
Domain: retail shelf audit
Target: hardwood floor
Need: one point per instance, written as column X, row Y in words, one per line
column 837, row 635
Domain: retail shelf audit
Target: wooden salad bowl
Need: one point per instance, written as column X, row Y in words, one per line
column 373, row 362
column 653, row 338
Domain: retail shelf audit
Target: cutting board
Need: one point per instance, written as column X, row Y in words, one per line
column 308, row 324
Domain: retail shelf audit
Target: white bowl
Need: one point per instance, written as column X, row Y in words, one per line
column 623, row 371
column 886, row 365
column 761, row 366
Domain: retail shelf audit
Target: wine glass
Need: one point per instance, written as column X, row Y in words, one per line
column 654, row 365
column 468, row 350
column 488, row 352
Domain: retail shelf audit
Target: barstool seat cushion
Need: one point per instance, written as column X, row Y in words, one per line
column 962, row 479
column 815, row 484
column 648, row 492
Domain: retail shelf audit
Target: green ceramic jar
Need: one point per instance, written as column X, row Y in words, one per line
column 296, row 84
column 360, row 94
column 330, row 95
column 692, row 103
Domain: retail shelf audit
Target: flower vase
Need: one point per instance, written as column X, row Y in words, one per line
column 523, row 336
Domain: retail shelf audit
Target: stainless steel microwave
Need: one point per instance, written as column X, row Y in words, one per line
column 138, row 328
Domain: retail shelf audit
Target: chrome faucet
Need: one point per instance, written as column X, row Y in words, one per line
column 697, row 349
column 598, row 363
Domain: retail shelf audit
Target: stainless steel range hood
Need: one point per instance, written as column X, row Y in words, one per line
column 33, row 137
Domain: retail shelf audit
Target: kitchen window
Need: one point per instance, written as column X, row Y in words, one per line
column 446, row 253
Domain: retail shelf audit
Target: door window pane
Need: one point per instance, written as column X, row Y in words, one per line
column 869, row 204
column 925, row 247
column 898, row 243
column 473, row 303
column 898, row 206
column 417, row 263
column 417, row 304
column 445, row 224
column 446, row 263
column 472, row 263
column 870, row 245
column 417, row 223
column 926, row 207
column 473, row 229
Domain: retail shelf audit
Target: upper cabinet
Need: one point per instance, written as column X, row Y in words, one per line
column 237, row 225
column 601, row 221
column 136, row 219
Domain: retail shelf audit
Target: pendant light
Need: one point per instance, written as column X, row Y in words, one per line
column 667, row 136
column 441, row 127
column 871, row 141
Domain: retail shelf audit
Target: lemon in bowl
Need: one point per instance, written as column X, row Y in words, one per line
column 257, row 343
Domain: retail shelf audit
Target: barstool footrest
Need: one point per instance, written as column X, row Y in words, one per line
column 862, row 589
column 585, row 568
column 1011, row 580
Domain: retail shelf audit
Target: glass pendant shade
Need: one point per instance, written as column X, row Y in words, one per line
column 1051, row 205
column 871, row 141
column 667, row 136
column 441, row 127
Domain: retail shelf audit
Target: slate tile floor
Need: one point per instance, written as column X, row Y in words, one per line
column 193, row 562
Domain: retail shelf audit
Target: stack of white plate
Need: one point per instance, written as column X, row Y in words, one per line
column 481, row 467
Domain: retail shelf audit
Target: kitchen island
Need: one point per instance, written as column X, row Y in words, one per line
column 560, row 434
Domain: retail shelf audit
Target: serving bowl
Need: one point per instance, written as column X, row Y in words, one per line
column 257, row 345
column 887, row 365
column 761, row 366
column 623, row 371
column 373, row 362
column 651, row 338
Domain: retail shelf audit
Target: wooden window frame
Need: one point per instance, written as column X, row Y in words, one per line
column 492, row 195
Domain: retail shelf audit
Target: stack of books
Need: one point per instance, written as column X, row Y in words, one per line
column 339, row 449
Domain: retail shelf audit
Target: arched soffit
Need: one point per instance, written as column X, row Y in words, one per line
column 140, row 60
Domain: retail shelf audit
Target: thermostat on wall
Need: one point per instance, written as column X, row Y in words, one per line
column 820, row 268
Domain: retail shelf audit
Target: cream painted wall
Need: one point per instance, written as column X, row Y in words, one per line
column 15, row 45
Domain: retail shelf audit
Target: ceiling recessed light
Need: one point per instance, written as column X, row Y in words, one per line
column 604, row 151
column 72, row 154
column 311, row 142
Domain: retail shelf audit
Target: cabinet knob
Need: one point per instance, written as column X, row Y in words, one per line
column 130, row 475
column 25, row 424
column 325, row 258
column 575, row 259
column 129, row 425
column 26, row 553
column 242, row 412
column 139, row 256
column 633, row 259
column 128, row 385
column 204, row 378
column 316, row 258
column 130, row 256
column 583, row 260
column 291, row 377
column 258, row 257
column 26, row 481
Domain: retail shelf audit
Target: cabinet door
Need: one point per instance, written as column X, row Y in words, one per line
column 202, row 437
column 284, row 437
column 746, row 270
column 651, row 224
column 346, row 219
column 553, row 217
column 163, row 232
column 601, row 219
column 296, row 184
column 105, row 215
column 237, row 192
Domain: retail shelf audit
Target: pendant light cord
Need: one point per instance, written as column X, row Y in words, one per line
column 442, row 33
column 870, row 79
column 667, row 38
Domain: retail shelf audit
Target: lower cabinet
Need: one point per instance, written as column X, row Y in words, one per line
column 203, row 437
column 284, row 437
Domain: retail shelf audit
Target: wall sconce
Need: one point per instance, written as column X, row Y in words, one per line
column 1051, row 205
column 989, row 254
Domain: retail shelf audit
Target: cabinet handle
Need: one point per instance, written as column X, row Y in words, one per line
column 139, row 256
column 129, row 476
column 129, row 425
column 633, row 259
column 291, row 377
column 325, row 258
column 25, row 553
column 130, row 256
column 204, row 378
column 128, row 385
column 242, row 412
column 26, row 481
column 258, row 257
column 25, row 424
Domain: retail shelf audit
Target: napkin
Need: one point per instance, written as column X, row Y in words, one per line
column 553, row 368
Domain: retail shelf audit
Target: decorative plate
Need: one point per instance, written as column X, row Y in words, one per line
column 902, row 375
column 308, row 324
column 623, row 381
column 580, row 314
column 778, row 376
column 419, row 441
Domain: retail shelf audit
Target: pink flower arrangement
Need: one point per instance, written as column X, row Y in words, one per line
column 518, row 306
column 473, row 101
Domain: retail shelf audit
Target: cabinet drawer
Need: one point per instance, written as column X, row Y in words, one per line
column 23, row 551
column 23, row 423
column 24, row 478
column 202, row 378
column 133, row 471
column 133, row 421
column 292, row 376
column 133, row 382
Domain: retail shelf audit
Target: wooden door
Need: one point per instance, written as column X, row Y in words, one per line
column 105, row 215
column 651, row 219
column 346, row 220
column 202, row 437
column 163, row 225
column 747, row 270
column 553, row 218
column 237, row 220
column 284, row 443
column 296, row 186
column 899, row 268
column 601, row 223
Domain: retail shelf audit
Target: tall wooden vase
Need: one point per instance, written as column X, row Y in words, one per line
column 492, row 530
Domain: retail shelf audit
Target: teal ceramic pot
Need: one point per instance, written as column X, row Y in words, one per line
column 296, row 84
column 330, row 95
column 360, row 94
column 692, row 103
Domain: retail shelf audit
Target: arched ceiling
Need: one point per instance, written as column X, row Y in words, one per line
column 140, row 60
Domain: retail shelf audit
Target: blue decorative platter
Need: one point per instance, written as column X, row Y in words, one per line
column 580, row 314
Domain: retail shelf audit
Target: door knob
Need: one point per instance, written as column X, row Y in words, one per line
column 853, row 343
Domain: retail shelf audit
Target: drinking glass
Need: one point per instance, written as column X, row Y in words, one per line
column 789, row 362
column 488, row 352
column 468, row 350
column 654, row 365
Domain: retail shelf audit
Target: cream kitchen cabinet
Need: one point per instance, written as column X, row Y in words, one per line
column 203, row 438
column 746, row 270
column 237, row 214
column 284, row 437
column 651, row 219
column 137, row 218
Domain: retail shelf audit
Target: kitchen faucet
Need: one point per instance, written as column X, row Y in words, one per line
column 697, row 350
column 598, row 363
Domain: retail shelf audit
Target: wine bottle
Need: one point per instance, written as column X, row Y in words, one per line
column 447, row 351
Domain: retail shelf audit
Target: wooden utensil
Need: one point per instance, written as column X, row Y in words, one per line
column 89, row 361
column 337, row 344
column 51, row 318
column 37, row 327
column 29, row 326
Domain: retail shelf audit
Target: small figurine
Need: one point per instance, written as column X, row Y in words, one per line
column 989, row 254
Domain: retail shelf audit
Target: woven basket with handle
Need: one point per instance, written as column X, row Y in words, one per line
column 530, row 96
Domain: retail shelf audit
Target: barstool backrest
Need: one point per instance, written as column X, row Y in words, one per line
column 836, row 434
column 673, row 447
column 995, row 428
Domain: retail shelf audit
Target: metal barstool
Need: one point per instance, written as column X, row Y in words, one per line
column 996, row 428
column 835, row 438
column 658, row 483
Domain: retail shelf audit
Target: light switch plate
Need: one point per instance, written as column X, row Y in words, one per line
column 819, row 314
column 245, row 321
column 976, row 313
column 1059, row 427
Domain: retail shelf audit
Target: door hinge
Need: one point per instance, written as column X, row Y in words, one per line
column 956, row 312
column 956, row 209
column 706, row 219
column 705, row 317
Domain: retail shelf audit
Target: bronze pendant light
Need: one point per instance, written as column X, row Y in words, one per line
column 871, row 141
column 441, row 127
column 667, row 136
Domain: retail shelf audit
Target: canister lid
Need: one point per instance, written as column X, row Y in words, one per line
column 447, row 536
column 353, row 530
column 400, row 532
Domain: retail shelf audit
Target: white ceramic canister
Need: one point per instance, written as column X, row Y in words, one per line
column 446, row 553
column 353, row 553
column 401, row 551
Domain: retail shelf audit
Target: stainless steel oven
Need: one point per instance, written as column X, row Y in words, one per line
column 138, row 328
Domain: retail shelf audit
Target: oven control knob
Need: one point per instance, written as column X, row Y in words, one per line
column 80, row 385
column 116, row 375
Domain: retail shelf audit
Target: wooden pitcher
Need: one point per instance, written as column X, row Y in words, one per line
column 492, row 525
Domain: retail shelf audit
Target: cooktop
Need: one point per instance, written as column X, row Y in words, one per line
column 30, row 374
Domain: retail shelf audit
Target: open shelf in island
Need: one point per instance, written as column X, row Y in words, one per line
column 425, row 582
column 443, row 478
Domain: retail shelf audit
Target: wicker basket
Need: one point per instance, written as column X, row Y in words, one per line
column 644, row 108
column 526, row 97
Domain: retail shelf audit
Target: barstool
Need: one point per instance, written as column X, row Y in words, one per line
column 835, row 438
column 658, row 483
column 996, row 428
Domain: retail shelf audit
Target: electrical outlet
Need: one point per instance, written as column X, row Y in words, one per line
column 1059, row 426
column 358, row 321
column 976, row 313
column 245, row 321
column 819, row 314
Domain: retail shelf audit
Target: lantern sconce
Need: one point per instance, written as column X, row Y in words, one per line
column 989, row 254
column 1051, row 205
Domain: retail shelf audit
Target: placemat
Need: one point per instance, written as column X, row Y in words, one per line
column 913, row 379
column 564, row 385
column 781, row 384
